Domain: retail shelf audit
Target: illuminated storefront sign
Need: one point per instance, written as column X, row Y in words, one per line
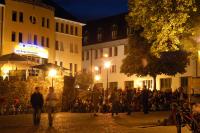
column 29, row 49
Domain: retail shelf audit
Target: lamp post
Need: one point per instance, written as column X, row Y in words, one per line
column 107, row 65
column 52, row 74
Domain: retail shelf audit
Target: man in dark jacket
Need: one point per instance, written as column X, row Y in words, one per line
column 145, row 96
column 37, row 102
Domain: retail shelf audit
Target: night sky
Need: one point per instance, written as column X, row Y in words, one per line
column 93, row 9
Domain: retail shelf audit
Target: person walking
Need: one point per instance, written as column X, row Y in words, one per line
column 51, row 105
column 115, row 102
column 145, row 97
column 37, row 102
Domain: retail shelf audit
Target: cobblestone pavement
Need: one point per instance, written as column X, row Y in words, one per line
column 87, row 123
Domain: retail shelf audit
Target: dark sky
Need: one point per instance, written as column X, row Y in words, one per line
column 94, row 9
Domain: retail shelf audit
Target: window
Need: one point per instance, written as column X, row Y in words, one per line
column 56, row 45
column 83, row 56
column 71, row 67
column 67, row 29
column 110, row 52
column 29, row 38
column 47, row 42
column 71, row 48
column 76, row 31
column 96, row 54
column 21, row 17
column 61, row 64
column 75, row 68
column 113, row 69
column 14, row 16
column 35, row 39
column 148, row 84
column 42, row 40
column 48, row 23
column 76, row 48
column 87, row 55
column 113, row 85
column 115, row 51
column 165, row 83
column 99, row 34
column 56, row 62
column 62, row 28
column 13, row 37
column 114, row 31
column 32, row 19
column 71, row 30
column 129, row 84
column 20, row 37
column 43, row 22
column 125, row 49
column 61, row 46
column 101, row 52
column 57, row 27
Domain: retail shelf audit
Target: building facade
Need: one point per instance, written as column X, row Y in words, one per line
column 42, row 31
column 106, row 40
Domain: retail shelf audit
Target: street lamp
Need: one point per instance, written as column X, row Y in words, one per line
column 52, row 74
column 97, row 78
column 107, row 65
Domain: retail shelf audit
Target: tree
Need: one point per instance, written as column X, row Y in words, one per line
column 84, row 80
column 142, row 62
column 164, row 22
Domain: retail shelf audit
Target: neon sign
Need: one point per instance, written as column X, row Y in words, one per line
column 29, row 49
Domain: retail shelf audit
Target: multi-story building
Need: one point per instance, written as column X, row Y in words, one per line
column 106, row 40
column 42, row 31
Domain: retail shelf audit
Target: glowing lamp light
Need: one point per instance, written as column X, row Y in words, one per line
column 107, row 64
column 6, row 68
column 52, row 73
column 96, row 68
column 105, row 55
column 97, row 78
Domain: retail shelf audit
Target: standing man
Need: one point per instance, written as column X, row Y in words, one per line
column 37, row 102
column 115, row 102
column 129, row 100
column 51, row 105
column 145, row 97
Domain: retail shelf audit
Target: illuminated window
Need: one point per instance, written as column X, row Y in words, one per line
column 20, row 37
column 62, row 28
column 21, row 17
column 110, row 52
column 47, row 42
column 14, row 16
column 13, row 36
column 115, row 51
column 71, row 29
column 71, row 48
column 57, row 27
column 67, row 29
column 165, row 83
column 76, row 31
column 35, row 39
column 129, row 84
column 114, row 31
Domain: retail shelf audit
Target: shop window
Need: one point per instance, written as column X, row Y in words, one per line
column 113, row 85
column 129, row 84
column 148, row 84
column 165, row 83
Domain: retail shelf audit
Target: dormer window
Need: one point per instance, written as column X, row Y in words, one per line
column 99, row 34
column 114, row 31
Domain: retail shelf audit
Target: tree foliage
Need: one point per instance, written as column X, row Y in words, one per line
column 84, row 80
column 142, row 62
column 164, row 22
